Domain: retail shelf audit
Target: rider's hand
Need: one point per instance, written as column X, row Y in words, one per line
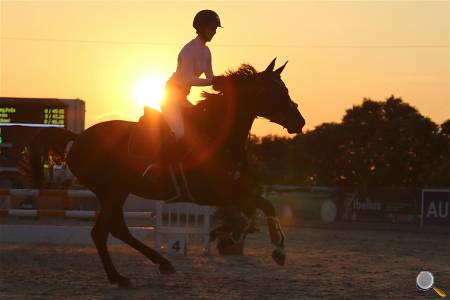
column 218, row 82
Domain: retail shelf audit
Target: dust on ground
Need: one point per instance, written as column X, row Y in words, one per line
column 321, row 264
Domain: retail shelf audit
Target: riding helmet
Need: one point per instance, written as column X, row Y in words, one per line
column 206, row 17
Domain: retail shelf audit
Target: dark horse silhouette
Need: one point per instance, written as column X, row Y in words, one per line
column 103, row 159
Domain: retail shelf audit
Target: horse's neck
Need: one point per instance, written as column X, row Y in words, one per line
column 241, row 119
column 240, row 131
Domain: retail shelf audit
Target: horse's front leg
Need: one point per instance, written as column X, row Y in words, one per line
column 277, row 235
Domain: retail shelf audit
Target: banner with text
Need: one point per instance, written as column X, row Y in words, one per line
column 435, row 207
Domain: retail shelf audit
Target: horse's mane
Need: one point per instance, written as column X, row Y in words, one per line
column 244, row 72
column 237, row 79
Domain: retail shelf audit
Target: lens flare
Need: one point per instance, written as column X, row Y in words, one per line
column 150, row 91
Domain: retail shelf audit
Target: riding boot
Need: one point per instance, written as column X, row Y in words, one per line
column 181, row 150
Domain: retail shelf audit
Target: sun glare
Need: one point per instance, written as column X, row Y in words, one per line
column 150, row 91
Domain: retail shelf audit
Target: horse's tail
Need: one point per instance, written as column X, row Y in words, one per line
column 51, row 138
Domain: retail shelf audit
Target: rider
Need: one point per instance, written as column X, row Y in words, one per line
column 193, row 60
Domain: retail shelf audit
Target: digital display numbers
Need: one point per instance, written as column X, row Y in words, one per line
column 32, row 114
column 54, row 116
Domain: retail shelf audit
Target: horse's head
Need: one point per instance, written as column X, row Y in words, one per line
column 273, row 101
column 264, row 94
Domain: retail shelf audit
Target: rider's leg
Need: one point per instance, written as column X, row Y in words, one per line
column 173, row 116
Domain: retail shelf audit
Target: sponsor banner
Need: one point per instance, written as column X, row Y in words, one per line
column 383, row 204
column 435, row 207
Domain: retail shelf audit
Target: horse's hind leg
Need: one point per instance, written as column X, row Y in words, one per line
column 100, row 233
column 120, row 231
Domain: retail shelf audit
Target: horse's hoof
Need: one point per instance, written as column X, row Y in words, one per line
column 124, row 283
column 166, row 268
column 278, row 256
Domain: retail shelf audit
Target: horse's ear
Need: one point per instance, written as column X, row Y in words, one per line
column 270, row 66
column 280, row 69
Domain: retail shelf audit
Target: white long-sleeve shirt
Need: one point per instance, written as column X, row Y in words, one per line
column 194, row 59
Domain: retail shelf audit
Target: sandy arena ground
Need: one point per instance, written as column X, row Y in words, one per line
column 322, row 264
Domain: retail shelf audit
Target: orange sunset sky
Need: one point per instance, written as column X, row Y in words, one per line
column 115, row 55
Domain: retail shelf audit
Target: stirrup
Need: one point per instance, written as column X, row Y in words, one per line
column 182, row 188
column 152, row 171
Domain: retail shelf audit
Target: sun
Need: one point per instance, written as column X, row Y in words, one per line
column 150, row 91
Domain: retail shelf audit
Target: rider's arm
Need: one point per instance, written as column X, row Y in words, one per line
column 186, row 70
column 209, row 71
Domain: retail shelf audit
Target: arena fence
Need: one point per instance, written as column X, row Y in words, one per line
column 375, row 204
column 175, row 221
column 178, row 221
column 70, row 214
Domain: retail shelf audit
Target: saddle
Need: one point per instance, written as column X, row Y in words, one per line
column 148, row 136
column 151, row 142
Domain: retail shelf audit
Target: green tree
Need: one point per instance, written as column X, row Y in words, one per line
column 378, row 143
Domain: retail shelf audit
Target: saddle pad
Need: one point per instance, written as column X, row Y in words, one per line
column 148, row 135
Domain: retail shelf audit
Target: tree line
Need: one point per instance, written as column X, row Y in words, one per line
column 376, row 144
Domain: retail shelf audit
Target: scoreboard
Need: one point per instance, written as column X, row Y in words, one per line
column 22, row 118
column 36, row 114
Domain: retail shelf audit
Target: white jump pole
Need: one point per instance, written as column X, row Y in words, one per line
column 67, row 213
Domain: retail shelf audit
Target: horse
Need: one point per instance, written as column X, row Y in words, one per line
column 102, row 158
